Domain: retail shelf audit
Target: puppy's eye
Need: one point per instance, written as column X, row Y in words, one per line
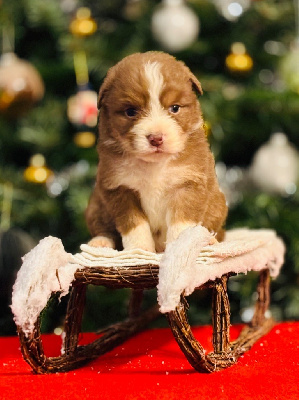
column 174, row 109
column 131, row 112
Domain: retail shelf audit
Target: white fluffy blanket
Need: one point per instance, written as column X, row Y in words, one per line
column 187, row 263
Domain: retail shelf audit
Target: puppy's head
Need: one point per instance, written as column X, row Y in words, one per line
column 149, row 106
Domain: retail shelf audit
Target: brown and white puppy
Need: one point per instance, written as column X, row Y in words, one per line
column 156, row 174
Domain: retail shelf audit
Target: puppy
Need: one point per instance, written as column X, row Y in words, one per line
column 156, row 174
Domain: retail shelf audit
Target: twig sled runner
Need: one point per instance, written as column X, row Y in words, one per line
column 243, row 250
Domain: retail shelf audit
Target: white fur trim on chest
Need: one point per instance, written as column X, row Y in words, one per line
column 152, row 184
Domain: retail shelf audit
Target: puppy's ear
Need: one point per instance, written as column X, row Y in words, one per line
column 106, row 86
column 101, row 95
column 196, row 85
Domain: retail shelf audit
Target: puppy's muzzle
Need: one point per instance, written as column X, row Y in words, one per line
column 155, row 140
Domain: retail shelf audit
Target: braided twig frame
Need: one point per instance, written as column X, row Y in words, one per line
column 139, row 278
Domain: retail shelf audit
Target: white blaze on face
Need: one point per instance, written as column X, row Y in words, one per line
column 155, row 81
column 157, row 119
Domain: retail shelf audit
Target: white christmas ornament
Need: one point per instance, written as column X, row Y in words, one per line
column 275, row 166
column 232, row 9
column 175, row 25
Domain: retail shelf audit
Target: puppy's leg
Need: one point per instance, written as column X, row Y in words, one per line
column 102, row 241
column 175, row 228
column 191, row 205
column 99, row 223
column 216, row 213
column 139, row 237
column 125, row 208
column 185, row 208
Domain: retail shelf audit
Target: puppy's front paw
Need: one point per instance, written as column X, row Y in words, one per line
column 102, row 241
column 175, row 229
column 139, row 237
column 142, row 246
column 213, row 240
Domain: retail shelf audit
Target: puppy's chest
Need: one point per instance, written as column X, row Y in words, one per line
column 153, row 184
column 154, row 201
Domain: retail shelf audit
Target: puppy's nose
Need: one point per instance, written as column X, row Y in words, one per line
column 155, row 140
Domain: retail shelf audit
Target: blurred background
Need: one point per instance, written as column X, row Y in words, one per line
column 54, row 56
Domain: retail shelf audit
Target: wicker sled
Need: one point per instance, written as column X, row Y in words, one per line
column 140, row 278
column 48, row 269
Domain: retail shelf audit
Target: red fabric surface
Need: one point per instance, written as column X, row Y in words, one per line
column 151, row 366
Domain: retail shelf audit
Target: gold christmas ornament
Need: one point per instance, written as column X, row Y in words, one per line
column 85, row 139
column 37, row 172
column 207, row 128
column 83, row 24
column 238, row 60
column 21, row 86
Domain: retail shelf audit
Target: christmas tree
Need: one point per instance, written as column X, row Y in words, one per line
column 55, row 56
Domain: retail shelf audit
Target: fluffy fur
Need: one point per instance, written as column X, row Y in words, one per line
column 156, row 174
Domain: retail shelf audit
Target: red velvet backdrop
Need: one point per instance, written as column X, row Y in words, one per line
column 151, row 366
